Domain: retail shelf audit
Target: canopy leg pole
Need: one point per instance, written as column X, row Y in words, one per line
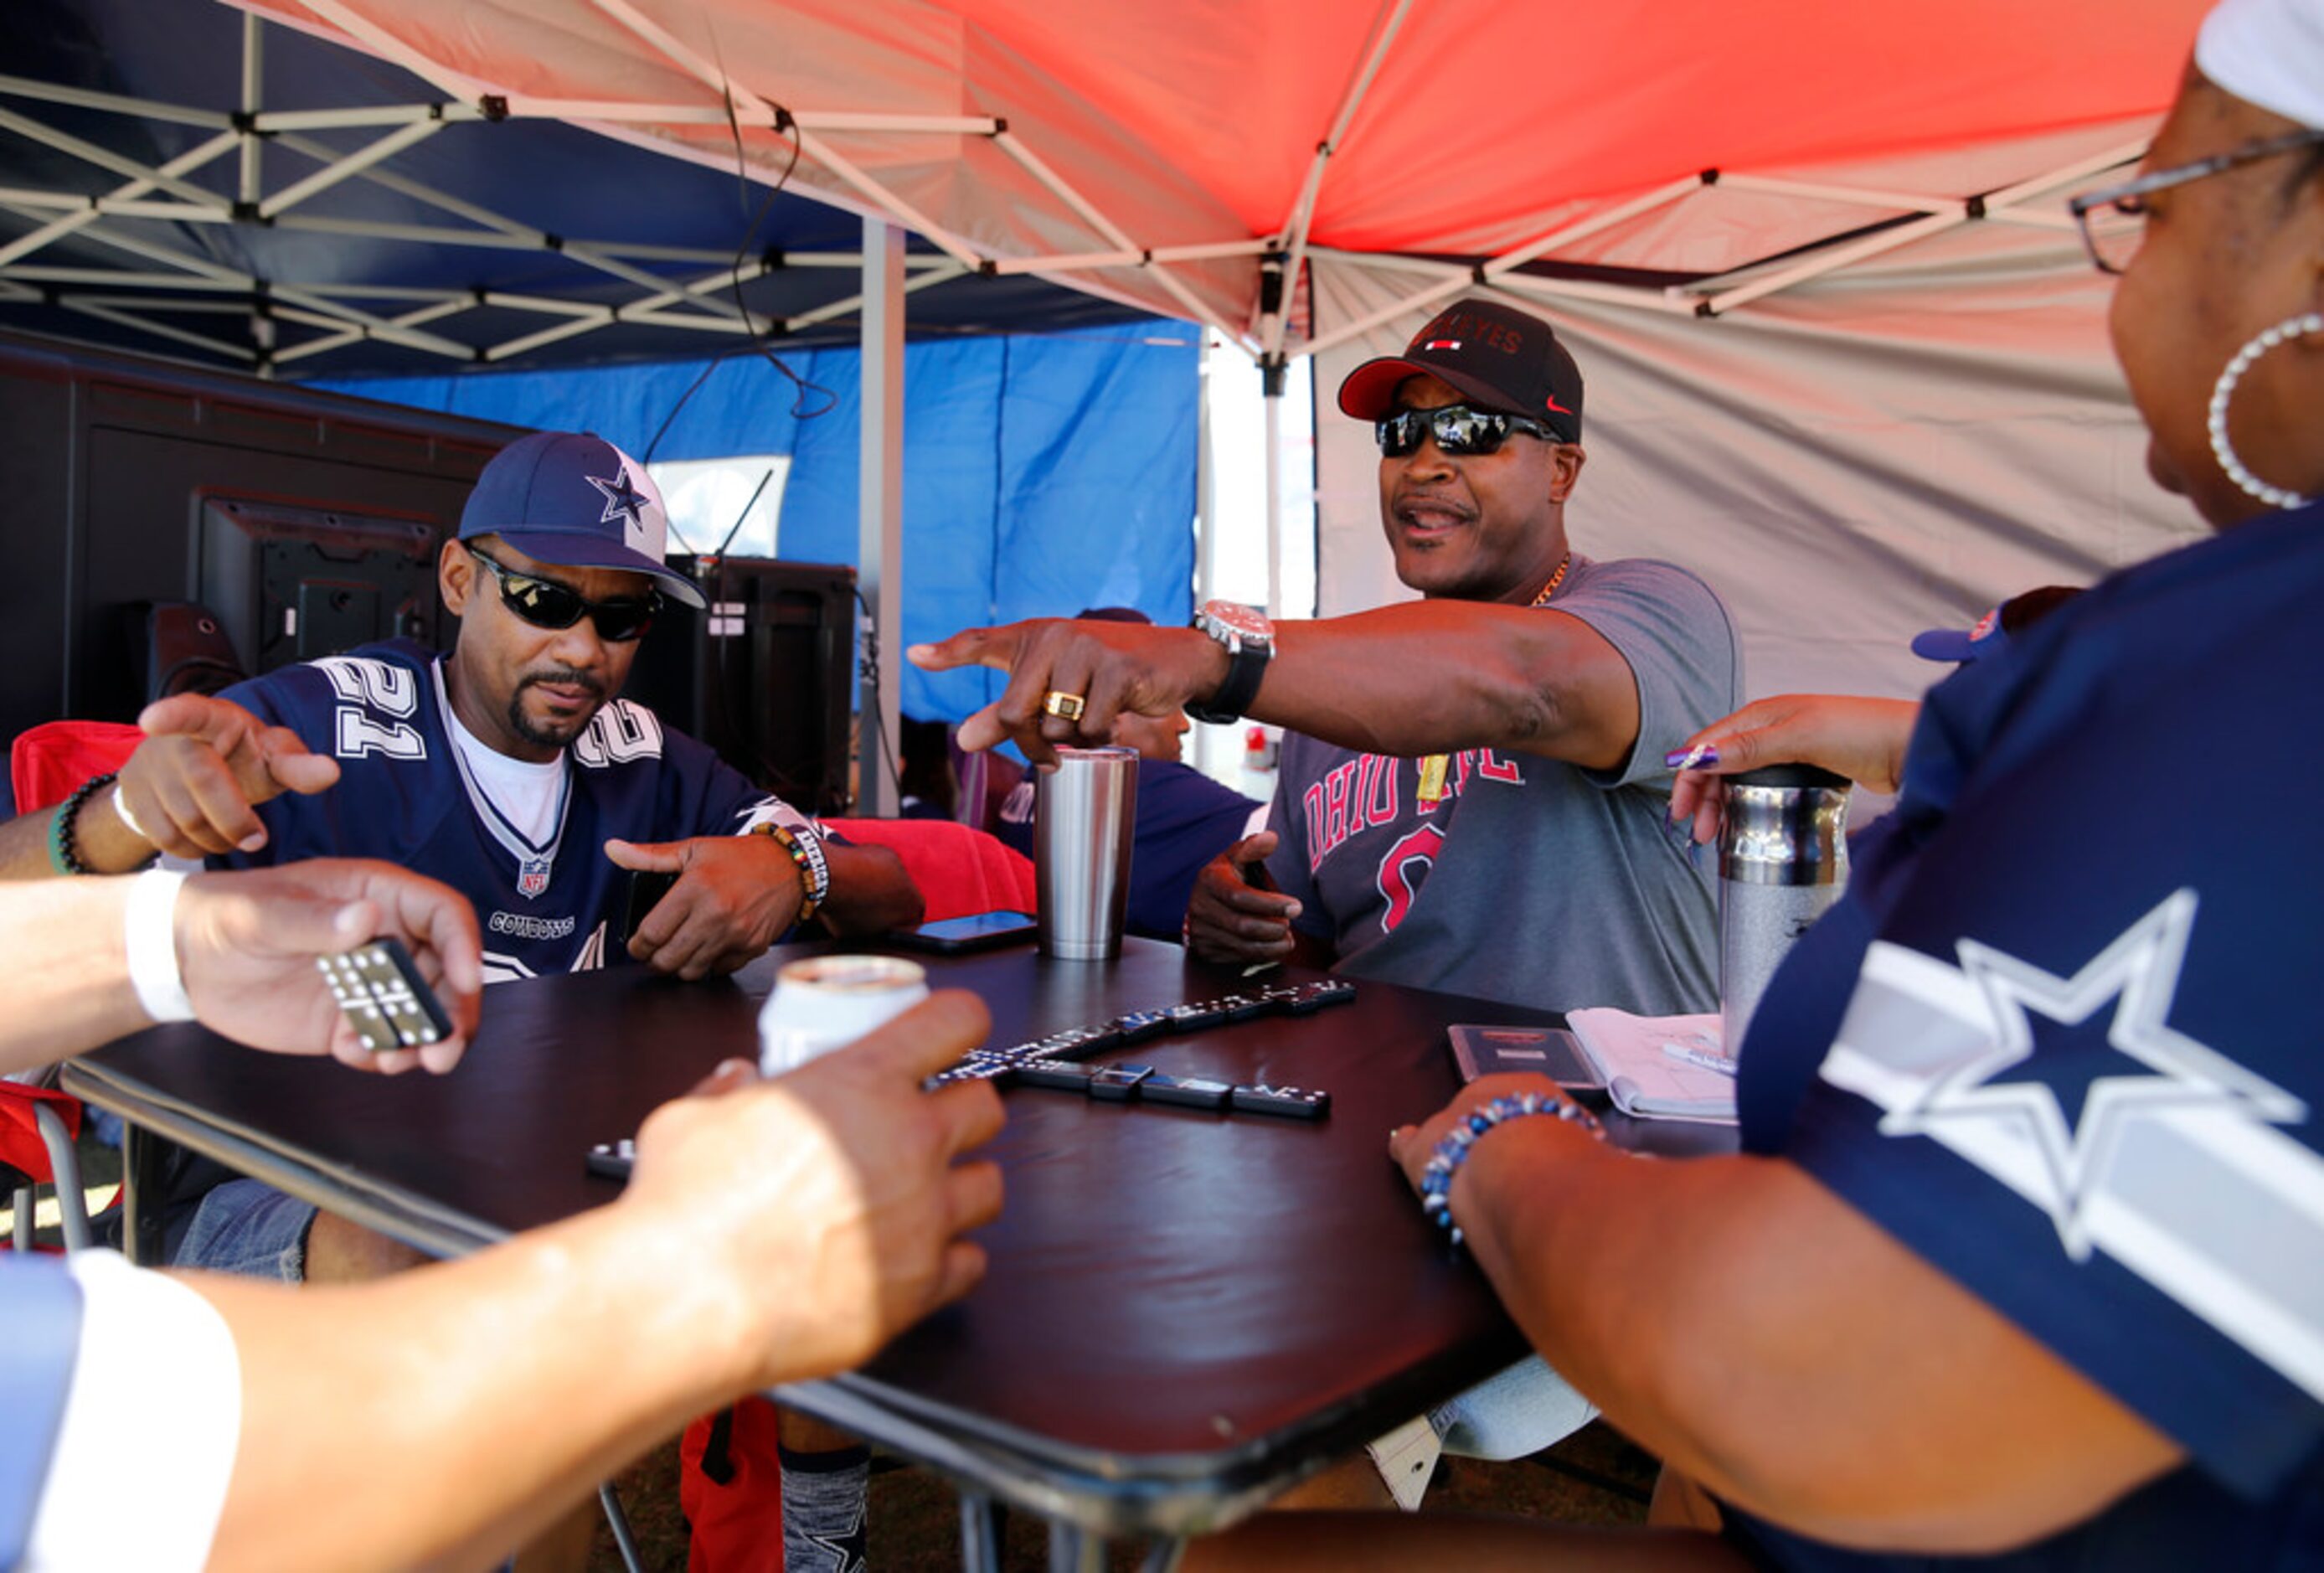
column 880, row 521
column 1272, row 371
column 254, row 77
column 1206, row 744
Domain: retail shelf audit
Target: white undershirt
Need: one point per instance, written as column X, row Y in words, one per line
column 526, row 794
column 138, row 1475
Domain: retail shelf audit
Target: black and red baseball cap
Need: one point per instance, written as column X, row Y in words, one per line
column 1497, row 357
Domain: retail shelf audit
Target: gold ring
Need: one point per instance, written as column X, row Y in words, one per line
column 1064, row 706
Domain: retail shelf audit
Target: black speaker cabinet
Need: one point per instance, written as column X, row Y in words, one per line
column 765, row 676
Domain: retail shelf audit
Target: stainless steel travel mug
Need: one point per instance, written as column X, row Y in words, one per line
column 1085, row 819
column 1783, row 859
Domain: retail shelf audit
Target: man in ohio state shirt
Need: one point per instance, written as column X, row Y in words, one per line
column 1493, row 870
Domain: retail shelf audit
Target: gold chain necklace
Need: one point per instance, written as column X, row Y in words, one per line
column 1555, row 579
column 1433, row 768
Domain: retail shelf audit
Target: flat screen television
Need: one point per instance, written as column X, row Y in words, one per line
column 290, row 580
column 110, row 463
column 765, row 676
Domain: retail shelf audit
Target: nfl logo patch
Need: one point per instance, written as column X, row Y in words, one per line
column 532, row 878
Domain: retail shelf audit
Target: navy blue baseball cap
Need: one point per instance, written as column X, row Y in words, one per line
column 1989, row 635
column 572, row 499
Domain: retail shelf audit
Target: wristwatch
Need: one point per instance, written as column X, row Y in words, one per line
column 1250, row 640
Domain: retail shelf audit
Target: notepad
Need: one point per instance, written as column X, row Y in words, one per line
column 1658, row 1067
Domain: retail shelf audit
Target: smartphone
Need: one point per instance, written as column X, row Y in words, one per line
column 1550, row 1051
column 977, row 931
column 646, row 890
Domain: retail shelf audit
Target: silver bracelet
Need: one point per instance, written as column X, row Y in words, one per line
column 129, row 820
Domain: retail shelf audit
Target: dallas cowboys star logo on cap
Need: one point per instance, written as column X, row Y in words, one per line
column 2168, row 1073
column 623, row 500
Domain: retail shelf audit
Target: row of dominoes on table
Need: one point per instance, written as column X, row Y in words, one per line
column 1056, row 1062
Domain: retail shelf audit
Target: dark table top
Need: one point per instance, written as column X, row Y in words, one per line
column 1185, row 1310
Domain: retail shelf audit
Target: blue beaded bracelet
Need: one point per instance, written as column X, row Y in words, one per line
column 1444, row 1162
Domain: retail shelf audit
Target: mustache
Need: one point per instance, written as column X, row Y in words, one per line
column 565, row 676
column 1418, row 498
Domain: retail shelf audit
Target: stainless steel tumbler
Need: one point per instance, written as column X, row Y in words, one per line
column 1783, row 859
column 1085, row 819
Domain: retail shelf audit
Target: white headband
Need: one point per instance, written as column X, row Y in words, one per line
column 2267, row 52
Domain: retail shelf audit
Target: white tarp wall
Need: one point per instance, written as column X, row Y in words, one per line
column 1891, row 448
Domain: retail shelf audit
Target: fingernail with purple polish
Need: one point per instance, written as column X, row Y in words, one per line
column 1703, row 755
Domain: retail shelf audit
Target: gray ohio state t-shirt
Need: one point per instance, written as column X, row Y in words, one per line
column 1531, row 880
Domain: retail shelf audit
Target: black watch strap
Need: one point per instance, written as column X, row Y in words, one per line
column 1245, row 667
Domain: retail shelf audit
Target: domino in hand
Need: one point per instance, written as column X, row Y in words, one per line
column 383, row 998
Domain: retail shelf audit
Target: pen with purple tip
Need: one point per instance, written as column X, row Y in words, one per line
column 1702, row 1059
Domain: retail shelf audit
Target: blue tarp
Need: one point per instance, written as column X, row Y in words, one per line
column 1042, row 474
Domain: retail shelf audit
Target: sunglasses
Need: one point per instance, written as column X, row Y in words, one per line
column 1458, row 430
column 546, row 604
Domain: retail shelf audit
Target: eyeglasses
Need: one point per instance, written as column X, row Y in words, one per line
column 1459, row 431
column 2113, row 221
column 546, row 604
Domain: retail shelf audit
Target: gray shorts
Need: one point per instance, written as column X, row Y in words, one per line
column 248, row 1227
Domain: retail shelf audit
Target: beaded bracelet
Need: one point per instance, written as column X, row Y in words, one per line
column 1445, row 1161
column 815, row 870
column 64, row 857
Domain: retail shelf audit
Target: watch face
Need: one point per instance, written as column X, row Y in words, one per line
column 1247, row 621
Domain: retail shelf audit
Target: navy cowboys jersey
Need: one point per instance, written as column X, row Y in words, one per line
column 404, row 795
column 2061, row 1037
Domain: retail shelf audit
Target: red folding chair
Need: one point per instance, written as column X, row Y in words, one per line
column 46, row 763
column 39, row 1126
column 960, row 871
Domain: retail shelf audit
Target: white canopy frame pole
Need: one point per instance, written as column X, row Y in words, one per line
column 347, row 166
column 1273, row 325
column 345, row 336
column 247, row 186
column 847, row 306
column 167, row 209
column 184, row 163
column 142, row 108
column 392, row 50
column 1939, row 215
column 114, row 278
column 645, row 309
column 902, row 212
column 880, row 521
column 585, row 253
column 378, row 326
column 1453, row 278
column 1272, row 374
column 1129, row 257
column 1061, row 188
column 1279, row 283
column 105, row 158
column 712, row 75
column 89, row 308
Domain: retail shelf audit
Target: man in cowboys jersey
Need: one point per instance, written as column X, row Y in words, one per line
column 507, row 768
